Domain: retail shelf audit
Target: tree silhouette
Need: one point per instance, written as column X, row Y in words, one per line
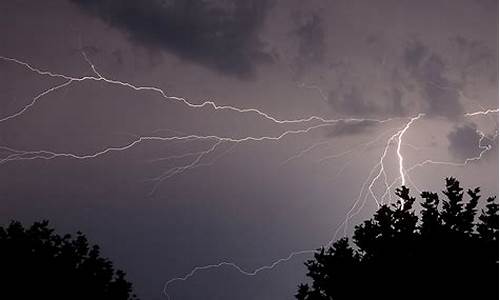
column 36, row 263
column 445, row 251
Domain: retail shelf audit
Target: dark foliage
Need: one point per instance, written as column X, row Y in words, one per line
column 446, row 251
column 36, row 263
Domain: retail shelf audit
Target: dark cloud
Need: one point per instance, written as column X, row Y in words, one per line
column 91, row 50
column 397, row 104
column 475, row 59
column 421, row 78
column 220, row 36
column 477, row 52
column 235, row 208
column 414, row 54
column 464, row 141
column 352, row 97
column 440, row 95
column 311, row 43
column 489, row 5
column 352, row 102
column 350, row 128
column 117, row 56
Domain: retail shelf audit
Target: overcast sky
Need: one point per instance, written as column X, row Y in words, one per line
column 164, row 184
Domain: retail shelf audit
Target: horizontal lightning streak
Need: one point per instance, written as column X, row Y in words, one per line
column 351, row 150
column 234, row 266
column 398, row 136
column 45, row 154
column 182, row 100
column 484, row 112
column 304, row 151
column 173, row 157
column 267, row 267
column 178, row 170
column 35, row 99
column 199, row 157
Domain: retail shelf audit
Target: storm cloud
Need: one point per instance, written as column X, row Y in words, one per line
column 364, row 60
column 311, row 43
column 464, row 141
column 343, row 128
column 224, row 38
column 418, row 77
column 351, row 102
column 439, row 94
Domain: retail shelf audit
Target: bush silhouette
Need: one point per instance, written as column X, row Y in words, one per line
column 36, row 263
column 445, row 251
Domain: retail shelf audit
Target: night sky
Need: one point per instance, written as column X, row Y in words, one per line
column 178, row 134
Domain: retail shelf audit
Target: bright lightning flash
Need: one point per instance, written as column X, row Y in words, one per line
column 200, row 158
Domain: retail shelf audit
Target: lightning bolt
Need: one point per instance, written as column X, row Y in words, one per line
column 484, row 112
column 201, row 158
column 305, row 151
column 234, row 266
column 162, row 93
column 400, row 138
column 399, row 135
column 317, row 88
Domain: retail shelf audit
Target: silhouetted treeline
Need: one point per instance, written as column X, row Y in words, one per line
column 446, row 251
column 36, row 263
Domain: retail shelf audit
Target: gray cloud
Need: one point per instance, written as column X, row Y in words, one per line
column 418, row 77
column 490, row 6
column 475, row 59
column 463, row 141
column 439, row 94
column 311, row 43
column 351, row 102
column 397, row 104
column 350, row 128
column 356, row 98
column 477, row 52
column 235, row 208
column 221, row 37
column 414, row 54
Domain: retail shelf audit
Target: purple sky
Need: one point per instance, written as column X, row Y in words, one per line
column 164, row 184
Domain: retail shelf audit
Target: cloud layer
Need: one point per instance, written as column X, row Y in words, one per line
column 464, row 141
column 223, row 37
